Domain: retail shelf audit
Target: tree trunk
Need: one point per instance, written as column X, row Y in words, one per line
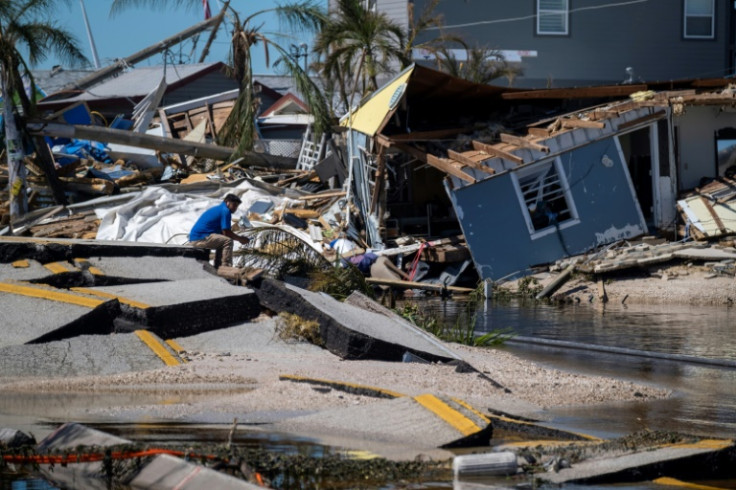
column 14, row 151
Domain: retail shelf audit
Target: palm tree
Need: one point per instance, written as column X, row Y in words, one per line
column 362, row 42
column 24, row 37
column 303, row 16
column 482, row 65
column 427, row 21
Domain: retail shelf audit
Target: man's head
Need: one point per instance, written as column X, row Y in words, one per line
column 232, row 202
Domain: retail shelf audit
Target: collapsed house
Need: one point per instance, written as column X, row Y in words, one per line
column 534, row 176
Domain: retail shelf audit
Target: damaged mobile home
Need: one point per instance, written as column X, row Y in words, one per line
column 532, row 176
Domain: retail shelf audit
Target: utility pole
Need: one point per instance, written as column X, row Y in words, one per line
column 89, row 36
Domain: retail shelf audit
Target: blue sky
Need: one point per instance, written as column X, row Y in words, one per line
column 139, row 28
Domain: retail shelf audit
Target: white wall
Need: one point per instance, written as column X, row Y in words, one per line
column 696, row 147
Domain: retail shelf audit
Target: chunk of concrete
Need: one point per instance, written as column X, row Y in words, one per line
column 351, row 332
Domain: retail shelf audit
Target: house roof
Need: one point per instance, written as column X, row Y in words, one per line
column 437, row 91
column 288, row 104
column 137, row 83
column 51, row 81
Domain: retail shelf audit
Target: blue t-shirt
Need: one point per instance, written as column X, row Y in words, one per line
column 214, row 220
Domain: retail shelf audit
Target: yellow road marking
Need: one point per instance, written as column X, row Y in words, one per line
column 49, row 294
column 103, row 294
column 705, row 444
column 471, row 409
column 157, row 347
column 342, row 386
column 60, row 267
column 21, row 264
column 92, row 269
column 665, row 480
column 457, row 420
column 176, row 347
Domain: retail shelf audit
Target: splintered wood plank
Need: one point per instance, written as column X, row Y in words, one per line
column 465, row 160
column 477, row 145
column 523, row 142
column 580, row 123
column 448, row 166
column 539, row 132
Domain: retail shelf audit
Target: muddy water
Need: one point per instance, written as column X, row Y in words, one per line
column 704, row 400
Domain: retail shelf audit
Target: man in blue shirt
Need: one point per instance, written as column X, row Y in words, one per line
column 213, row 230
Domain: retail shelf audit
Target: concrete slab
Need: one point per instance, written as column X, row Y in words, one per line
column 424, row 421
column 87, row 355
column 36, row 313
column 149, row 267
column 22, row 270
column 677, row 460
column 180, row 308
column 351, row 332
column 166, row 472
column 59, row 249
column 261, row 336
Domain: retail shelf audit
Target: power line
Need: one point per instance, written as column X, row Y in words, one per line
column 534, row 16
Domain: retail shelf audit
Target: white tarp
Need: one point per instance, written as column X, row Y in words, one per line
column 160, row 216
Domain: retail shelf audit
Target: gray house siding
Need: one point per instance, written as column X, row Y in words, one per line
column 495, row 227
column 604, row 38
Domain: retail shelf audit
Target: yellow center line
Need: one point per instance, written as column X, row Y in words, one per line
column 471, row 409
column 157, row 347
column 49, row 294
column 103, row 294
column 665, row 480
column 176, row 347
column 92, row 269
column 21, row 264
column 60, row 267
column 457, row 420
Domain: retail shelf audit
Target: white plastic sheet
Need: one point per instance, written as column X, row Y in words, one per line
column 160, row 216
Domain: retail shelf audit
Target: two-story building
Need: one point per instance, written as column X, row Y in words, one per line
column 565, row 43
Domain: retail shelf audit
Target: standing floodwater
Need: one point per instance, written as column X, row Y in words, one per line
column 704, row 400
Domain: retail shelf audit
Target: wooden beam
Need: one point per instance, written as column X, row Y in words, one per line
column 462, row 159
column 575, row 93
column 477, row 145
column 539, row 132
column 523, row 142
column 448, row 166
column 580, row 123
column 418, row 285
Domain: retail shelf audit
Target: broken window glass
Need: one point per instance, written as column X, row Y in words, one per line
column 545, row 199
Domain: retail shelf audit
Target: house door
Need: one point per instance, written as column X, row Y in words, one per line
column 637, row 149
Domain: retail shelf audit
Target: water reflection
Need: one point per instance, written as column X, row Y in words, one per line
column 704, row 400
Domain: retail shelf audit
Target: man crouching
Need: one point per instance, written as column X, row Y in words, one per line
column 213, row 230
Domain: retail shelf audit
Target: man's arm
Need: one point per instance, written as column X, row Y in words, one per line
column 242, row 239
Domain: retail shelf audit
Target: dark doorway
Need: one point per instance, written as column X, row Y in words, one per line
column 637, row 150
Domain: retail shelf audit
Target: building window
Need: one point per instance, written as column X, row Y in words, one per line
column 552, row 17
column 369, row 5
column 545, row 198
column 699, row 19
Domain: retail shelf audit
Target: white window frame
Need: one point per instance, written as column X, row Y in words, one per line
column 564, row 12
column 686, row 16
column 370, row 5
column 539, row 168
